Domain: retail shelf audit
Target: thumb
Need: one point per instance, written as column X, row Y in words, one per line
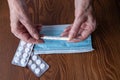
column 75, row 28
column 30, row 28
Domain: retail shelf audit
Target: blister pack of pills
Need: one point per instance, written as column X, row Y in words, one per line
column 22, row 54
column 37, row 65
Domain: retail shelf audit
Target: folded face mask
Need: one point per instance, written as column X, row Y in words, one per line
column 60, row 46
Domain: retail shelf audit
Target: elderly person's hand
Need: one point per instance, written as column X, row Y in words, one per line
column 21, row 25
column 84, row 23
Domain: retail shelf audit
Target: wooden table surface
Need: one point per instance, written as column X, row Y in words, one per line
column 101, row 64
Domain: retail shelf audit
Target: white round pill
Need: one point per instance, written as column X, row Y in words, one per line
column 30, row 62
column 34, row 57
column 18, row 53
column 38, row 62
column 33, row 66
column 29, row 44
column 22, row 43
column 25, row 55
column 22, row 61
column 42, row 66
column 20, row 48
column 27, row 50
column 16, row 59
column 37, row 70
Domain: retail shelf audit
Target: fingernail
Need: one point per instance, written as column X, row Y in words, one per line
column 70, row 37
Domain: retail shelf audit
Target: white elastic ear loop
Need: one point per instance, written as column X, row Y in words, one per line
column 55, row 38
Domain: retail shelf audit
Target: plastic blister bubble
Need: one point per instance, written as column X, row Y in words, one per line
column 37, row 65
column 22, row 54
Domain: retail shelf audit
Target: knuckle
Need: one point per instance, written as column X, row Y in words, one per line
column 93, row 28
column 13, row 30
column 34, row 31
column 12, row 24
column 84, row 37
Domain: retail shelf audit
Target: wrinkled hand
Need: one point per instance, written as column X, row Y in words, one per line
column 21, row 25
column 84, row 23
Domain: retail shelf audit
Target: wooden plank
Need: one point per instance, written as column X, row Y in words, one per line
column 101, row 64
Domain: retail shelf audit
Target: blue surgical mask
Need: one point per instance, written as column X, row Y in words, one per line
column 60, row 46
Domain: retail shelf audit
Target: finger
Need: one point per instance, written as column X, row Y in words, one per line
column 85, row 33
column 26, row 37
column 30, row 28
column 23, row 34
column 92, row 22
column 66, row 31
column 75, row 28
column 39, row 27
column 81, row 29
column 80, row 38
column 65, row 34
column 86, row 29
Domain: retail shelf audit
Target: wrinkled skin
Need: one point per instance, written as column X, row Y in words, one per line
column 23, row 28
column 84, row 23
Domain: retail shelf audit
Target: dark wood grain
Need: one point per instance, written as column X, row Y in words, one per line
column 101, row 64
